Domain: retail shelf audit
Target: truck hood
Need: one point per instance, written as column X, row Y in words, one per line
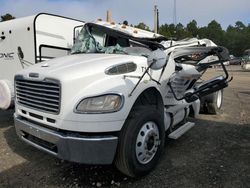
column 80, row 65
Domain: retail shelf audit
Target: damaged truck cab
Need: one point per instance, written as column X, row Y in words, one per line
column 116, row 98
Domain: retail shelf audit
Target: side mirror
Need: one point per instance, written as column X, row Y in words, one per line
column 20, row 52
column 157, row 59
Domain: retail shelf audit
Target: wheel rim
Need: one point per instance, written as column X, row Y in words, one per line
column 219, row 99
column 147, row 142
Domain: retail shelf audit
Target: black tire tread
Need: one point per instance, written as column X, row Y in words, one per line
column 209, row 105
column 120, row 161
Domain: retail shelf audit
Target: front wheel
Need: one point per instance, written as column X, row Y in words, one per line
column 141, row 142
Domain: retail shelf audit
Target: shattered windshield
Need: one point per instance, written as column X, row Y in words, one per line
column 94, row 40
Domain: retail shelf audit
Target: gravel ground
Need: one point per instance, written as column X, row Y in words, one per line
column 215, row 153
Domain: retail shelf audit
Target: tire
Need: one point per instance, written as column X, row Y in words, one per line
column 130, row 155
column 212, row 103
column 6, row 94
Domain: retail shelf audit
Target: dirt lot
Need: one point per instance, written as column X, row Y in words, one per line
column 215, row 153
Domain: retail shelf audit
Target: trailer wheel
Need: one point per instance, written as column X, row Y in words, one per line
column 6, row 94
column 141, row 142
column 213, row 102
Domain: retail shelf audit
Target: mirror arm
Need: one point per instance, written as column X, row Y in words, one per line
column 20, row 59
column 23, row 62
column 184, row 97
column 225, row 70
column 162, row 71
column 172, row 90
column 140, row 79
column 201, row 68
column 153, row 79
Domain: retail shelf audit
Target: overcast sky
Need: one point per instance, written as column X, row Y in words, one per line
column 203, row 11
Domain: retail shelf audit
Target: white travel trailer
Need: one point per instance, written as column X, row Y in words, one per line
column 30, row 40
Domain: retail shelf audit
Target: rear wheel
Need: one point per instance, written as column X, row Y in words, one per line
column 212, row 103
column 141, row 142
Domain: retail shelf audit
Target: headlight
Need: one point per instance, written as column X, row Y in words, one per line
column 100, row 104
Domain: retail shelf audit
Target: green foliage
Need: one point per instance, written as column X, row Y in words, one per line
column 192, row 28
column 6, row 17
column 143, row 26
column 215, row 33
column 236, row 38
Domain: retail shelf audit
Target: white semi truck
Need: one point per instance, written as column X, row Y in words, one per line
column 116, row 98
column 30, row 40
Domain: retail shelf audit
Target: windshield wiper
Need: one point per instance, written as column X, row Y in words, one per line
column 77, row 53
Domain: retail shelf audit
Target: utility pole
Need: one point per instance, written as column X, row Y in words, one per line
column 174, row 14
column 156, row 19
column 109, row 16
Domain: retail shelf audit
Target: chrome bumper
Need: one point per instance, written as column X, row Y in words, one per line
column 71, row 147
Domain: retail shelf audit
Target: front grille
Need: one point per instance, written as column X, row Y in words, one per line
column 41, row 95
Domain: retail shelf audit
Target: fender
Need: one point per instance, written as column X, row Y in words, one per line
column 120, row 86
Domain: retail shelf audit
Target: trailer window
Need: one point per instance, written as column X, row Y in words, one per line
column 113, row 41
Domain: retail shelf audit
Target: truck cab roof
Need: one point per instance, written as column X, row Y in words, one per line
column 104, row 37
column 129, row 30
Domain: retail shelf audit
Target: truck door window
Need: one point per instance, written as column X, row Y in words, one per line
column 113, row 41
column 99, row 37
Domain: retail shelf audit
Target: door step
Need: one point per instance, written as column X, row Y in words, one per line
column 181, row 130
